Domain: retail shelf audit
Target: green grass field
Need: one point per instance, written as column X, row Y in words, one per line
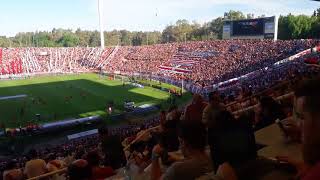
column 48, row 96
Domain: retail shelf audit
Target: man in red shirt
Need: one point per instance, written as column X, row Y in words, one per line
column 307, row 104
column 97, row 171
column 194, row 111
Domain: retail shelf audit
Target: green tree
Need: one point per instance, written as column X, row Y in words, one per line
column 299, row 26
column 4, row 41
column 69, row 40
column 315, row 28
column 216, row 27
column 137, row 39
column 83, row 36
column 113, row 38
column 250, row 16
column 283, row 30
column 125, row 37
column 234, row 15
column 94, row 40
column 154, row 37
column 168, row 35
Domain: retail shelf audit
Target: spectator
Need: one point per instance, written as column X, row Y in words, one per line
column 196, row 162
column 307, row 111
column 173, row 113
column 144, row 134
column 267, row 112
column 93, row 159
column 35, row 167
column 54, row 164
column 231, row 141
column 169, row 142
column 194, row 111
column 12, row 172
column 79, row 170
column 212, row 109
column 68, row 157
column 112, row 148
column 162, row 118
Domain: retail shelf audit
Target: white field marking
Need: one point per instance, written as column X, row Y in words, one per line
column 13, row 97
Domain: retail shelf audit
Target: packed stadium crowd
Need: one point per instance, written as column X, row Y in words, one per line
column 186, row 129
column 204, row 63
column 213, row 61
column 212, row 133
column 52, row 60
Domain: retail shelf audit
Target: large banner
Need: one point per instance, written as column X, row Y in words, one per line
column 174, row 69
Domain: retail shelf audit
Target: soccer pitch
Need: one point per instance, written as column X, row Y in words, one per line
column 69, row 96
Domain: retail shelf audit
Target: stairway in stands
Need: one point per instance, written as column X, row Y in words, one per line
column 111, row 55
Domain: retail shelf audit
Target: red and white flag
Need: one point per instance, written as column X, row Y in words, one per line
column 174, row 69
column 180, row 64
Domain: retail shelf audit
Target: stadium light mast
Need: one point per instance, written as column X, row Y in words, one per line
column 276, row 27
column 100, row 10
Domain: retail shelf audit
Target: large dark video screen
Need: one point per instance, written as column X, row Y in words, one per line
column 248, row 27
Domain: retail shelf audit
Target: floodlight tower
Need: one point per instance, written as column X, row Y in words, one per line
column 100, row 10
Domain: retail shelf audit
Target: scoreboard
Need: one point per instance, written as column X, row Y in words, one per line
column 261, row 28
column 247, row 27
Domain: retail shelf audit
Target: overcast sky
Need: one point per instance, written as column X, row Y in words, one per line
column 31, row 15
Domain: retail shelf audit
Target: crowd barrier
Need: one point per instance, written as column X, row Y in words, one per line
column 313, row 65
column 138, row 138
column 254, row 106
column 258, row 94
column 70, row 122
column 82, row 134
column 50, row 174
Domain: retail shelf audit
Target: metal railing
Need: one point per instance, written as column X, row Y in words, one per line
column 256, row 105
column 62, row 171
column 140, row 136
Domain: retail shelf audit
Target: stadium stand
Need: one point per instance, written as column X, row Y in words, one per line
column 243, row 105
column 209, row 61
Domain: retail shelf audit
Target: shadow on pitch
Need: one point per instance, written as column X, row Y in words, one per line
column 63, row 100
